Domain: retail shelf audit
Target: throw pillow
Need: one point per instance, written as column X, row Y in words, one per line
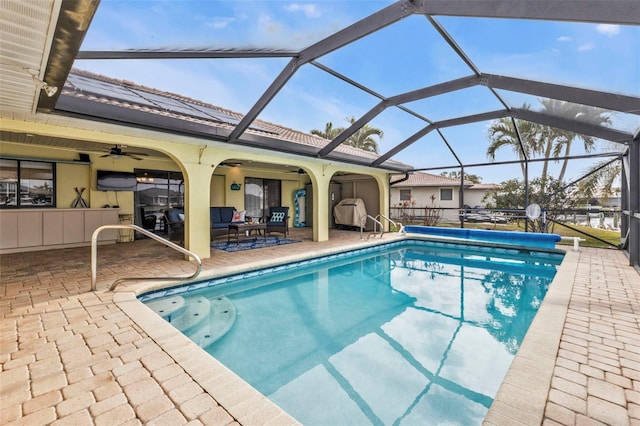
column 277, row 217
column 239, row 216
column 181, row 217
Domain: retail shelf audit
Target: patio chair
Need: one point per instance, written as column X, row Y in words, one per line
column 278, row 220
column 174, row 224
column 148, row 220
column 220, row 218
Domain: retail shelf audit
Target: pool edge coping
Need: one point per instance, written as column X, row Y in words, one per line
column 521, row 397
column 243, row 402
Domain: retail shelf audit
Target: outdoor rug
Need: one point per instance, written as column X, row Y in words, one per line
column 250, row 244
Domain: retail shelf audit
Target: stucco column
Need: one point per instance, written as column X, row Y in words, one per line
column 383, row 187
column 321, row 207
column 634, row 202
column 197, row 233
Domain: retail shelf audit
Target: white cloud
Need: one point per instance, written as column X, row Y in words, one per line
column 310, row 10
column 564, row 38
column 221, row 23
column 608, row 29
column 586, row 47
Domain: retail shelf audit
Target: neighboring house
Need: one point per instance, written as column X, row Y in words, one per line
column 474, row 194
column 613, row 201
column 422, row 190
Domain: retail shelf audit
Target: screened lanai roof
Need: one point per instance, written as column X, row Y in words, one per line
column 432, row 75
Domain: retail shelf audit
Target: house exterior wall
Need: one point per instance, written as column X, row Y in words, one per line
column 421, row 197
column 194, row 162
column 473, row 197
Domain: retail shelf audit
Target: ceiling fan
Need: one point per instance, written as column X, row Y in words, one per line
column 299, row 171
column 116, row 152
column 230, row 163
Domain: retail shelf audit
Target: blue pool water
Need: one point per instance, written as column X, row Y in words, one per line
column 412, row 332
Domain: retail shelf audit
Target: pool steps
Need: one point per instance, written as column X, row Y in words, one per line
column 204, row 320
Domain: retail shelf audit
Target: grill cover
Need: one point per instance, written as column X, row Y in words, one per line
column 349, row 211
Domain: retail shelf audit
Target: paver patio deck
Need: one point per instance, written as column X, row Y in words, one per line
column 72, row 356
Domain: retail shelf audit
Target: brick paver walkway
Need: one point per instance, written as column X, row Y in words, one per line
column 596, row 379
column 75, row 357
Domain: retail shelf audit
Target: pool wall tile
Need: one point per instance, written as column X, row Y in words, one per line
column 154, row 294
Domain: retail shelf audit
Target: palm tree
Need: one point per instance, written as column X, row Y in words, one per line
column 545, row 141
column 362, row 138
column 601, row 176
column 562, row 139
column 329, row 132
column 503, row 134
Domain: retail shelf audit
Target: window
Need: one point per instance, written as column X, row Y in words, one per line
column 259, row 195
column 26, row 184
column 405, row 195
column 156, row 191
column 446, row 194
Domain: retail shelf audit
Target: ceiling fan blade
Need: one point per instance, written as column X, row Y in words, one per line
column 130, row 155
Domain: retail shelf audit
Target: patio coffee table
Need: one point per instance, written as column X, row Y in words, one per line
column 246, row 229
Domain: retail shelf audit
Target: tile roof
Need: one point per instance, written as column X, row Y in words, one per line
column 484, row 186
column 426, row 179
column 258, row 127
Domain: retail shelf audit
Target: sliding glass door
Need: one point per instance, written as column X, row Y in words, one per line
column 259, row 195
column 157, row 191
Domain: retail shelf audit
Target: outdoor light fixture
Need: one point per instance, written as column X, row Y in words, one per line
column 49, row 90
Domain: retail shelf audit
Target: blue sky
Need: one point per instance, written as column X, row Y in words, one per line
column 405, row 56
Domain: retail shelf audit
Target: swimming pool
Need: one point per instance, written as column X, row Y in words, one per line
column 410, row 332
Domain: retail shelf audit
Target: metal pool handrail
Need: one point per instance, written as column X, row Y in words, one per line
column 94, row 255
column 399, row 229
column 363, row 220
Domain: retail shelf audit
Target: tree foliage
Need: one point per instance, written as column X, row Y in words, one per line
column 329, row 131
column 467, row 176
column 539, row 141
column 601, row 177
column 364, row 138
column 550, row 194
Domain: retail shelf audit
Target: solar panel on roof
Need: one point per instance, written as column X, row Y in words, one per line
column 153, row 100
column 192, row 109
column 215, row 114
column 173, row 105
column 109, row 90
column 227, row 118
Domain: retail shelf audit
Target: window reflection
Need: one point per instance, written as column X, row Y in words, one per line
column 259, row 195
column 157, row 191
column 8, row 182
column 26, row 184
